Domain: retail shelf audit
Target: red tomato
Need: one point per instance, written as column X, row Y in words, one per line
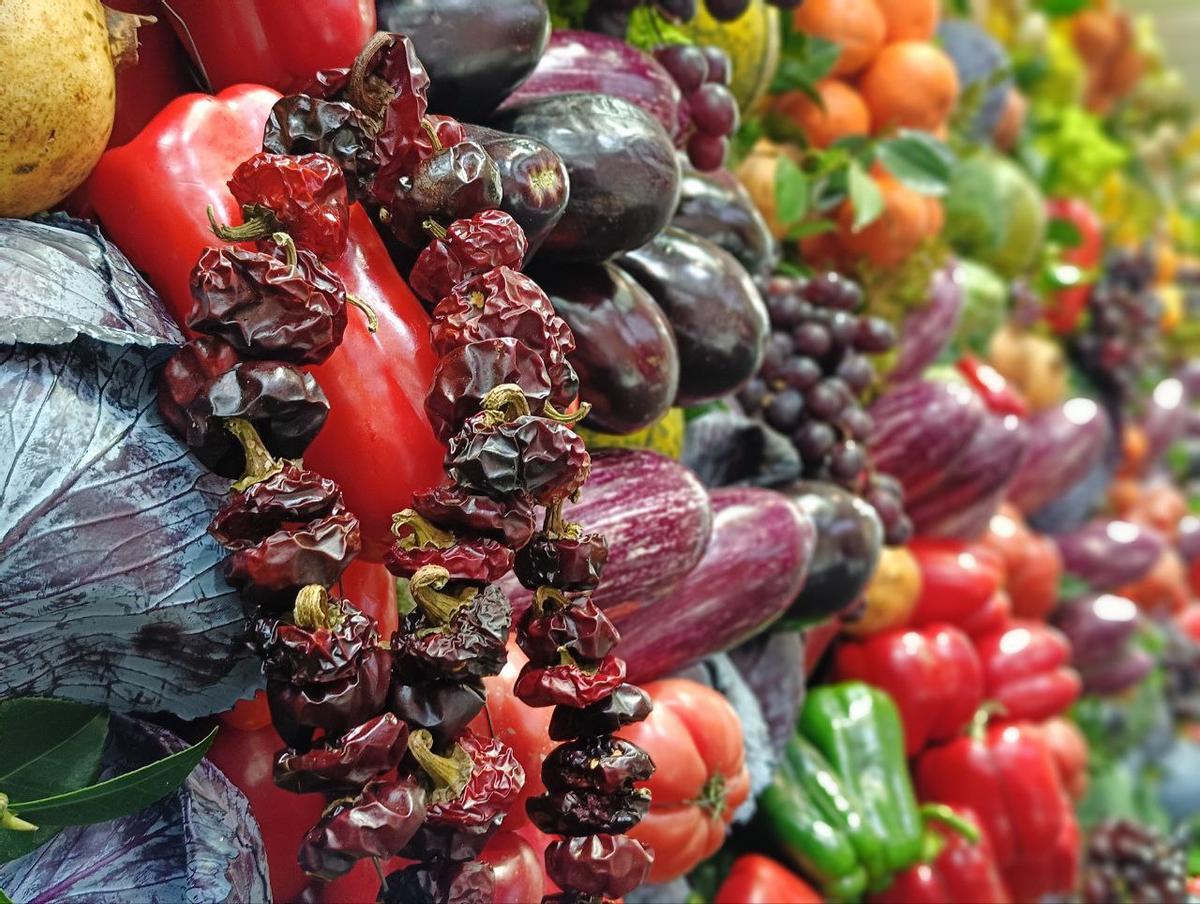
column 1164, row 589
column 518, row 867
column 755, row 879
column 700, row 777
column 538, row 840
column 248, row 715
column 1032, row 564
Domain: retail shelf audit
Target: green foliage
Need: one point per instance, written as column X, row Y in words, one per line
column 791, row 191
column 804, row 61
column 567, row 13
column 648, row 28
column 865, row 197
column 918, row 160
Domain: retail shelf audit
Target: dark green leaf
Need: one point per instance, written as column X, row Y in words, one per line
column 806, row 60
column 5, row 899
column 1064, row 233
column 810, row 227
column 787, row 268
column 49, row 746
column 1063, row 7
column 118, row 796
column 791, row 191
column 865, row 197
column 918, row 160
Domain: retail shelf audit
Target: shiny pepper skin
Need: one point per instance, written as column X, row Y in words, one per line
column 267, row 308
column 469, row 559
column 292, row 494
column 300, row 124
column 625, row 706
column 608, row 866
column 569, row 685
column 304, row 196
column 317, row 654
column 359, row 756
column 470, row 644
column 503, row 302
column 467, row 374
column 577, row 813
column 377, row 823
column 600, row 763
column 570, row 564
column 187, row 374
column 530, row 455
column 444, row 707
column 510, row 520
column 298, row 711
column 271, row 572
column 471, row 246
column 473, row 882
column 581, row 629
column 454, row 182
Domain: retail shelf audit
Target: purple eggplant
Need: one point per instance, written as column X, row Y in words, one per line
column 1099, row 627
column 960, row 504
column 717, row 207
column 753, row 568
column 1109, row 554
column 1066, row 443
column 1164, row 423
column 921, row 428
column 622, row 167
column 849, row 539
column 718, row 317
column 657, row 518
column 928, row 329
column 591, row 63
column 1188, row 543
column 1118, row 675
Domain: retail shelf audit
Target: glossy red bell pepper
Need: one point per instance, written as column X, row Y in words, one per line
column 755, row 879
column 151, row 195
column 1006, row 774
column 958, row 579
column 997, row 393
column 1086, row 251
column 1026, row 669
column 963, row 871
column 270, row 42
column 932, row 674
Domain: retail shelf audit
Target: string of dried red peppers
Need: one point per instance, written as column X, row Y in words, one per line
column 381, row 729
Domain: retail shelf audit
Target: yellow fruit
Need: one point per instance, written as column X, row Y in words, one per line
column 752, row 42
column 664, row 436
column 757, row 173
column 891, row 595
column 1035, row 366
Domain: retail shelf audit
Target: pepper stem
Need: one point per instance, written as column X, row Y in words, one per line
column 434, row 228
column 429, row 130
column 549, row 596
column 260, row 222
column 426, row 586
column 943, row 814
column 285, row 241
column 506, row 399
column 450, row 774
column 571, row 419
column 313, row 609
column 371, row 102
column 122, row 36
column 368, row 311
column 10, row 820
column 977, row 728
column 553, row 523
column 415, row 532
column 259, row 462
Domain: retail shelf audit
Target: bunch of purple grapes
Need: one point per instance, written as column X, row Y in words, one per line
column 1126, row 861
column 709, row 110
column 726, row 10
column 814, row 375
column 1120, row 342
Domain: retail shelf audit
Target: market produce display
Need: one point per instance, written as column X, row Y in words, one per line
column 586, row 451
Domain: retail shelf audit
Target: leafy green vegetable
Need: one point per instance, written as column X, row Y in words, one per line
column 865, row 197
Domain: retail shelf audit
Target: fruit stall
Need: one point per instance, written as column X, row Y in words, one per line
column 584, row 451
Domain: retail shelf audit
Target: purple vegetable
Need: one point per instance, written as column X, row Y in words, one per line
column 1066, row 443
column 1189, row 376
column 961, row 503
column 657, row 518
column 928, row 329
column 1164, row 423
column 1188, row 543
column 1119, row 675
column 773, row 665
column 753, row 568
column 1099, row 627
column 598, row 64
column 920, row 429
column 1110, row 554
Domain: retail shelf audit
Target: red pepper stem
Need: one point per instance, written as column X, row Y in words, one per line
column 977, row 728
column 260, row 464
column 549, row 599
column 285, row 241
column 429, row 130
column 357, row 89
column 940, row 813
column 570, row 419
column 259, row 223
column 434, row 228
column 507, row 401
column 426, row 586
column 450, row 774
column 10, row 820
column 313, row 610
column 415, row 532
column 368, row 311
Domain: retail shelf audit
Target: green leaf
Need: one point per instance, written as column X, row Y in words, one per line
column 1070, row 587
column 1063, row 233
column 1063, row 7
column 118, row 796
column 648, row 28
column 810, row 227
column 865, row 197
column 918, row 160
column 5, row 899
column 791, row 191
column 805, row 60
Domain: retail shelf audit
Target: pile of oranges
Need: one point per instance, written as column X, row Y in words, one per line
column 889, row 75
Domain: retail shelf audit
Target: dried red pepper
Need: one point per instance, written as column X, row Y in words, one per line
column 608, row 866
column 377, row 823
column 466, row 248
column 570, row 684
column 356, row 758
column 581, row 629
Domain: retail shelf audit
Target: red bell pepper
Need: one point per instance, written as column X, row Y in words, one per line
column 755, row 879
column 270, row 42
column 151, row 196
column 1026, row 669
column 997, row 394
column 1032, row 563
column 958, row 580
column 932, row 674
column 1007, row 776
column 964, row 870
column 1069, row 748
column 1067, row 305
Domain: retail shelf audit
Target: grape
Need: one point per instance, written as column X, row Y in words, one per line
column 725, row 10
column 713, row 109
column 832, row 290
column 858, row 423
column 812, row 340
column 779, row 350
column 707, row 152
column 784, row 410
column 1126, row 861
column 843, row 327
column 719, row 68
column 680, row 10
column 753, row 394
column 800, row 373
column 847, row 460
column 825, row 401
column 856, row 371
column 786, row 311
column 874, row 335
column 685, row 64
column 814, row 440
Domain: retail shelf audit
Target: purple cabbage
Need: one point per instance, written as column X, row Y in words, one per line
column 1067, row 442
column 928, row 329
column 1110, row 554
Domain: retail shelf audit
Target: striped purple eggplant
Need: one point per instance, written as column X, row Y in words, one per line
column 657, row 518
column 1066, row 443
column 928, row 329
column 753, row 568
column 1109, row 554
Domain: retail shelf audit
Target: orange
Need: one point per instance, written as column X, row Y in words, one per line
column 910, row 20
column 911, row 85
column 857, row 26
column 935, row 216
column 896, row 234
column 840, row 113
column 1096, row 35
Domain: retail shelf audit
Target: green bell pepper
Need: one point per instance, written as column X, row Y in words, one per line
column 858, row 728
column 815, row 823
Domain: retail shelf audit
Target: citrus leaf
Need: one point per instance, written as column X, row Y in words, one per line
column 865, row 197
column 49, row 746
column 918, row 160
column 791, row 191
column 806, row 59
column 810, row 227
column 5, row 899
column 118, row 796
